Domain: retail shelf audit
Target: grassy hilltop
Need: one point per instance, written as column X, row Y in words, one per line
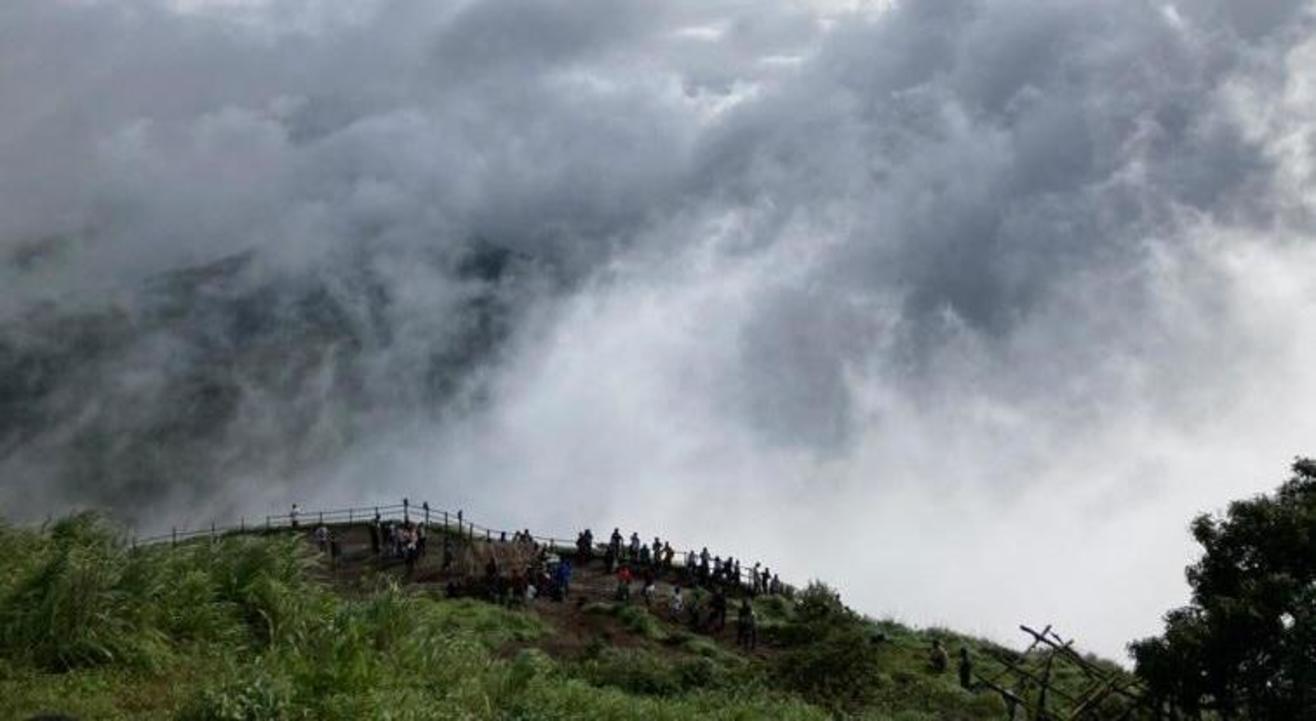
column 259, row 627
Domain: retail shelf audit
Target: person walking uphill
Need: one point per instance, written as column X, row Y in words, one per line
column 718, row 620
column 562, row 577
column 624, row 579
column 677, row 605
column 938, row 659
column 747, row 635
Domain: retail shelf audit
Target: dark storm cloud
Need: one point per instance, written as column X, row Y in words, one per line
column 950, row 275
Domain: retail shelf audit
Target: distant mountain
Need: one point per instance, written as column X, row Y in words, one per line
column 228, row 369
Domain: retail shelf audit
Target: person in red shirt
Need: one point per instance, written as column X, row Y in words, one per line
column 624, row 583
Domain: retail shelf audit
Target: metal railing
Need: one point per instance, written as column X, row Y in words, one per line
column 435, row 519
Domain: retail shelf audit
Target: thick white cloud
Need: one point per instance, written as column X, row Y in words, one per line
column 964, row 306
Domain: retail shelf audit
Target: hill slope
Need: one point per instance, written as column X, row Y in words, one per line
column 265, row 627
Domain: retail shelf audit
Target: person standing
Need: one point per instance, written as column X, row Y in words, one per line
column 966, row 669
column 335, row 549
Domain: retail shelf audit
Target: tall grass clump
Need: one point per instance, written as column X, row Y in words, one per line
column 74, row 599
column 73, row 594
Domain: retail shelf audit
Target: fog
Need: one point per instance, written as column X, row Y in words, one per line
column 965, row 307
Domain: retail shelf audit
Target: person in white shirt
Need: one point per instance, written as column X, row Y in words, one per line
column 678, row 603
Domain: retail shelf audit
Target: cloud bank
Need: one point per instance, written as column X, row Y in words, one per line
column 964, row 306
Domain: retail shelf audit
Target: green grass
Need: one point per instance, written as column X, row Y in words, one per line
column 243, row 630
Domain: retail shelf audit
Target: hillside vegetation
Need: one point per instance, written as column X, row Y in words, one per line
column 258, row 627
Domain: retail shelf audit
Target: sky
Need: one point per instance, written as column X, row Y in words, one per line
column 965, row 307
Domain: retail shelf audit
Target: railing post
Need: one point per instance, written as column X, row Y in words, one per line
column 406, row 516
column 445, row 521
column 267, row 523
column 321, row 518
column 426, row 505
column 488, row 534
column 173, row 536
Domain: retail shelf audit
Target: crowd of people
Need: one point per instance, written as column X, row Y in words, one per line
column 702, row 585
column 700, row 568
column 517, row 570
column 405, row 541
column 529, row 571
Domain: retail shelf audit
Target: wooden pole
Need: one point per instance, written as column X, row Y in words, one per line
column 1046, row 686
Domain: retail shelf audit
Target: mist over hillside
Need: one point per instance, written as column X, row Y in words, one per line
column 989, row 295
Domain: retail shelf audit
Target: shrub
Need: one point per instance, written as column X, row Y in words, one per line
column 640, row 622
column 631, row 670
column 830, row 658
column 256, row 696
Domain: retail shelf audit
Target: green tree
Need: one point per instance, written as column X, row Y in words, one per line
column 1245, row 647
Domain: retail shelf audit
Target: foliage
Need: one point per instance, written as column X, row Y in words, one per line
column 830, row 658
column 1246, row 645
